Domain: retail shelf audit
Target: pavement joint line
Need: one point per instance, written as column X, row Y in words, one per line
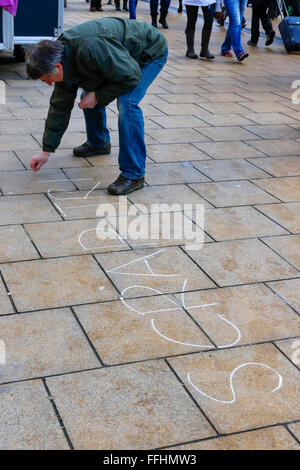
column 267, row 284
column 278, row 254
column 152, row 359
column 58, row 417
column 270, row 218
column 285, row 355
column 31, row 241
column 237, row 433
column 291, row 433
column 87, row 338
column 192, row 398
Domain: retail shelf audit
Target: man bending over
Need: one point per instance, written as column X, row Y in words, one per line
column 108, row 58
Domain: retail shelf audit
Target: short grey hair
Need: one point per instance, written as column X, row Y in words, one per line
column 42, row 58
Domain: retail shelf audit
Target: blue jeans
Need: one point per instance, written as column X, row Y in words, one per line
column 132, row 148
column 235, row 9
column 132, row 9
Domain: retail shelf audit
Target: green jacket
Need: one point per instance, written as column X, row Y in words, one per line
column 104, row 56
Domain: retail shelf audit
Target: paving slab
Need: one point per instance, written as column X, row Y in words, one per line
column 242, row 261
column 28, row 420
column 53, row 343
column 274, row 438
column 259, row 372
column 57, row 282
column 134, row 406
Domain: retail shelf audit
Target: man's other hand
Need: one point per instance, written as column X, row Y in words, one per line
column 88, row 101
column 39, row 160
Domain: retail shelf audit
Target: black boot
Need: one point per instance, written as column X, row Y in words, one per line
column 118, row 8
column 162, row 21
column 98, row 5
column 93, row 5
column 180, row 7
column 125, row 8
column 154, row 20
column 204, row 45
column 86, row 150
column 125, row 186
column 109, row 2
column 190, row 36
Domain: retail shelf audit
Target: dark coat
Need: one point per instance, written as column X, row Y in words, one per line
column 104, row 56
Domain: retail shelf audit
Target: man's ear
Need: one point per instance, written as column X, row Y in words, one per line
column 59, row 67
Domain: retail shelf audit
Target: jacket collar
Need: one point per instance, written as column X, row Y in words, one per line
column 71, row 77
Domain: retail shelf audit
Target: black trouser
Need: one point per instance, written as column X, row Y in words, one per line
column 164, row 7
column 259, row 12
column 192, row 15
column 95, row 4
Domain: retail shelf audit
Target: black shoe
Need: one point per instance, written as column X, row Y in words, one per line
column 163, row 22
column 125, row 9
column 243, row 56
column 125, row 186
column 85, row 150
column 270, row 38
column 118, row 9
column 250, row 43
column 206, row 54
column 191, row 54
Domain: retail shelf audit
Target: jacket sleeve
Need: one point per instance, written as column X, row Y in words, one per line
column 61, row 105
column 113, row 61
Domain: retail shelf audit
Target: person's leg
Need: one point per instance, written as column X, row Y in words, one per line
column 125, row 8
column 265, row 21
column 95, row 123
column 132, row 9
column 154, row 12
column 192, row 15
column 255, row 24
column 267, row 25
column 243, row 4
column 93, row 5
column 98, row 5
column 235, row 10
column 118, row 7
column 164, row 7
column 132, row 153
column 208, row 14
column 226, row 46
column 98, row 139
column 179, row 6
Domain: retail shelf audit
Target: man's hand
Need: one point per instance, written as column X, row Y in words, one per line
column 39, row 160
column 88, row 101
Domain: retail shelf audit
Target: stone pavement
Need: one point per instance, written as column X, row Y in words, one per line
column 103, row 348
